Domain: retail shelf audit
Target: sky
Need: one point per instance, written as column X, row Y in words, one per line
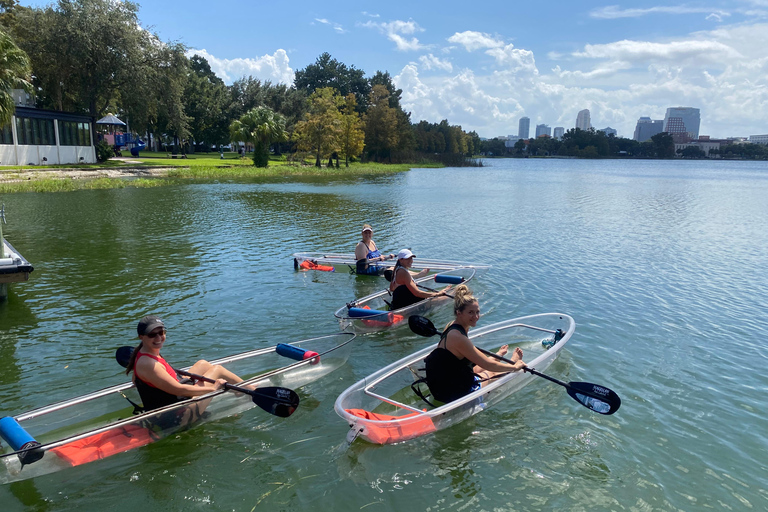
column 484, row 65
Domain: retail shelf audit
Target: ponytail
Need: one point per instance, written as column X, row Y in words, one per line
column 132, row 360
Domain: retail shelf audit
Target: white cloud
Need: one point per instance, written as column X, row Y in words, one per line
column 275, row 67
column 675, row 51
column 336, row 27
column 724, row 72
column 614, row 12
column 514, row 59
column 475, row 40
column 395, row 30
column 432, row 62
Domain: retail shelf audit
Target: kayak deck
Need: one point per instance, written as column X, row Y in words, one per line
column 383, row 409
column 103, row 423
column 354, row 317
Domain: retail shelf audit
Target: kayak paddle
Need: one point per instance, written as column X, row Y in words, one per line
column 275, row 400
column 592, row 396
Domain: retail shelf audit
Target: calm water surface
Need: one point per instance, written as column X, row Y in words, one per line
column 661, row 264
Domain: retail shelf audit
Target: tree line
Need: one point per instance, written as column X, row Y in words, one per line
column 94, row 57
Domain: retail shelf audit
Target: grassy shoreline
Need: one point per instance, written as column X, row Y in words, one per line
column 154, row 170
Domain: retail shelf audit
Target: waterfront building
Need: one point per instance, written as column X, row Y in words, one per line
column 706, row 145
column 543, row 129
column 582, row 120
column 758, row 139
column 524, row 128
column 559, row 132
column 46, row 137
column 682, row 122
column 647, row 128
column 609, row 131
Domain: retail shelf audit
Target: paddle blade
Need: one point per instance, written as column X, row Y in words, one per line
column 597, row 398
column 123, row 356
column 422, row 326
column 275, row 400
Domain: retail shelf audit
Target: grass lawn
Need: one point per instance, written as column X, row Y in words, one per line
column 202, row 166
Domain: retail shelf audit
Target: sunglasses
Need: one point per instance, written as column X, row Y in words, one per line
column 155, row 334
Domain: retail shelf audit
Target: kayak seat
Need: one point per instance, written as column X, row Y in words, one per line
column 104, row 444
column 395, row 431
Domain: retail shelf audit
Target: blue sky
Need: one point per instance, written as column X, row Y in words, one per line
column 484, row 65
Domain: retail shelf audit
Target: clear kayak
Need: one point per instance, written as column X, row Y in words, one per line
column 372, row 314
column 103, row 423
column 383, row 408
column 329, row 262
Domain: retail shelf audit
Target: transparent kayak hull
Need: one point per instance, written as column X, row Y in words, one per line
column 348, row 262
column 383, row 409
column 382, row 319
column 103, row 423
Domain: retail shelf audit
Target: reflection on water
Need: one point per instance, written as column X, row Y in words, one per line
column 660, row 264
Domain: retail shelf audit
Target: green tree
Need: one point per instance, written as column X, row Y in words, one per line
column 352, row 137
column 14, row 74
column 205, row 100
column 381, row 134
column 321, row 129
column 94, row 56
column 328, row 72
column 260, row 127
column 664, row 145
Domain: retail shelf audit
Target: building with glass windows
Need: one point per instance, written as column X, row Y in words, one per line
column 559, row 132
column 46, row 137
column 524, row 128
column 683, row 122
column 543, row 129
column 647, row 128
column 583, row 121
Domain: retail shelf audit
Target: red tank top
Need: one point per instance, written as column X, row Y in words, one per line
column 160, row 360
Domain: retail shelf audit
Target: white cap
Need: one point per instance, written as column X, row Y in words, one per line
column 404, row 254
column 367, row 228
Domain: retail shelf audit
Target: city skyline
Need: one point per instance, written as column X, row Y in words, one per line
column 485, row 69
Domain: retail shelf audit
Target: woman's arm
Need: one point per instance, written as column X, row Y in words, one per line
column 467, row 349
column 361, row 251
column 413, row 287
column 154, row 373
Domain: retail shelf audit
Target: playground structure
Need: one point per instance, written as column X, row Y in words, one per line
column 114, row 134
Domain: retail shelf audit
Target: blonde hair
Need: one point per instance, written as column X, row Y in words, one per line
column 367, row 226
column 462, row 298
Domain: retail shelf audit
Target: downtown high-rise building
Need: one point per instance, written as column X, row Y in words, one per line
column 582, row 120
column 559, row 132
column 543, row 129
column 524, row 128
column 647, row 128
column 683, row 121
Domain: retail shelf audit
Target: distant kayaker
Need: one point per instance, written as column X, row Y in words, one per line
column 456, row 367
column 404, row 289
column 367, row 254
column 156, row 381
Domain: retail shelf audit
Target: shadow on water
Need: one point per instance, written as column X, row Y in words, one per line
column 16, row 321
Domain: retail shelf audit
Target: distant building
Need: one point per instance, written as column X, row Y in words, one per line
column 647, row 128
column 758, row 139
column 524, row 128
column 582, row 120
column 543, row 129
column 559, row 132
column 705, row 145
column 682, row 123
column 609, row 131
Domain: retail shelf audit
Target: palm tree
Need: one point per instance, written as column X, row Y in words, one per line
column 261, row 127
column 15, row 73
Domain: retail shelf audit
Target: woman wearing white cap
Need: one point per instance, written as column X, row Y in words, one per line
column 404, row 289
column 367, row 254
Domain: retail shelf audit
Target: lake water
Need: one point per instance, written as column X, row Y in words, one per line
column 661, row 264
